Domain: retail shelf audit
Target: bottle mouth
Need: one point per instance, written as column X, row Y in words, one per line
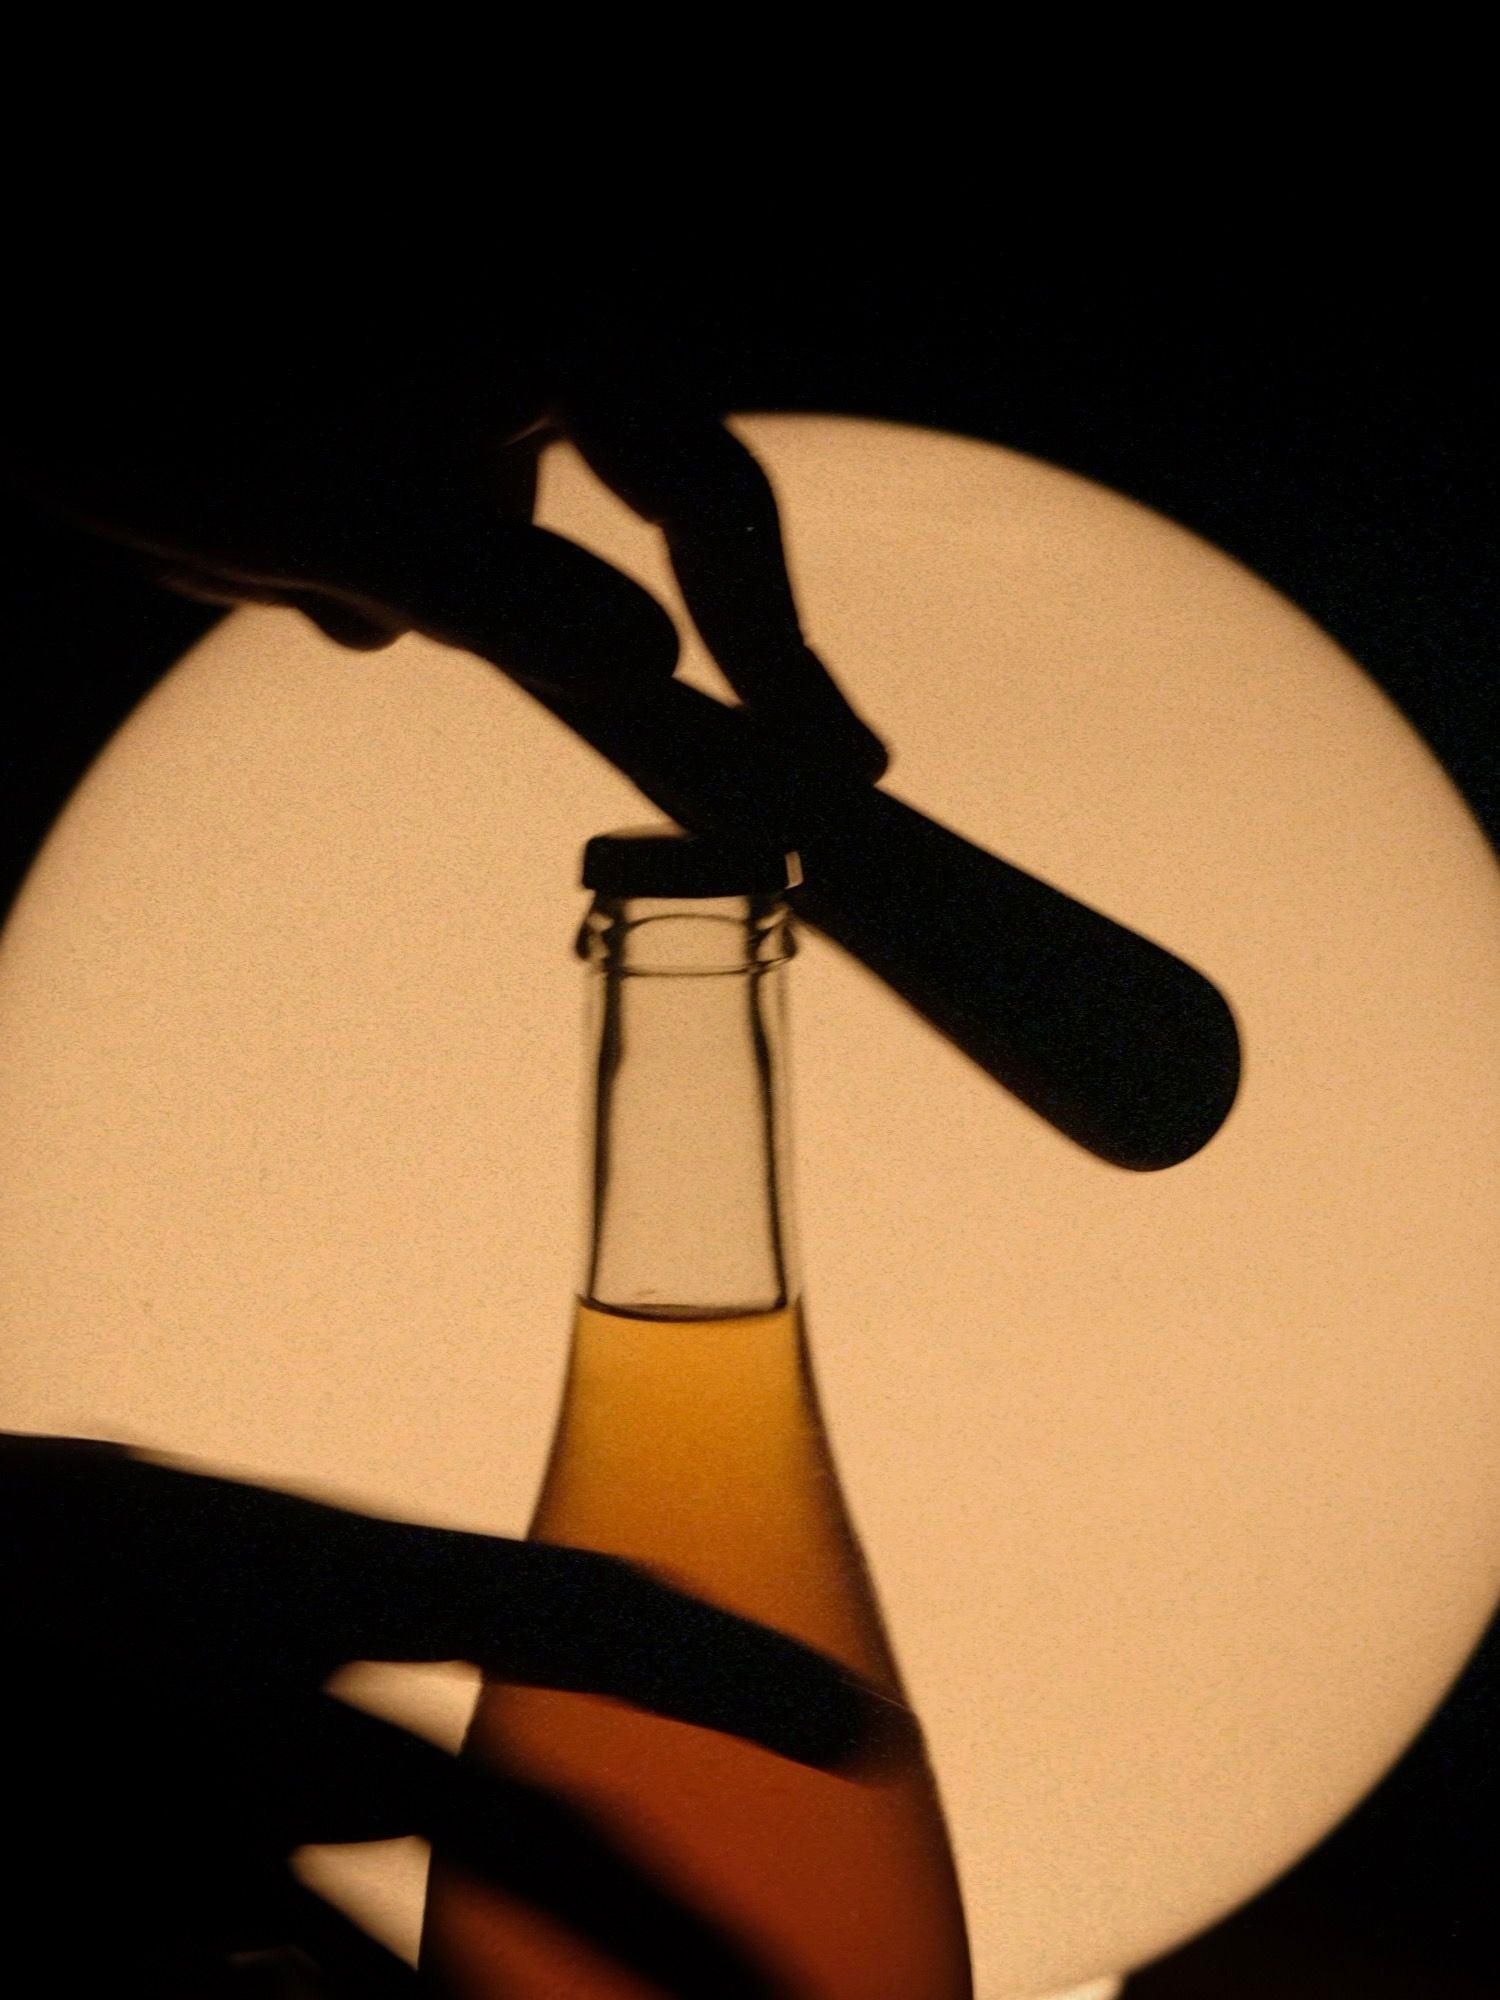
column 682, row 937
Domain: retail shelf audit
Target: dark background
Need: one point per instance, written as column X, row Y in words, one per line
column 1330, row 426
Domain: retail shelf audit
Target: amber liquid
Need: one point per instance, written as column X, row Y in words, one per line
column 695, row 1446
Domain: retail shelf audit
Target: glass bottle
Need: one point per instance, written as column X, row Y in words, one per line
column 690, row 1440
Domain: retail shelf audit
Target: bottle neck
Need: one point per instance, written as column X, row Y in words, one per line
column 690, row 1213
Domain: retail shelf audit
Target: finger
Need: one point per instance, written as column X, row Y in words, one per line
column 354, row 1966
column 534, row 1846
column 328, row 1586
column 359, row 629
column 507, row 480
column 445, row 548
column 687, row 473
column 565, row 1618
column 545, row 611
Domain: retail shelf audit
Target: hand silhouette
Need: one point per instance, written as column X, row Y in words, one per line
column 171, row 1742
column 380, row 476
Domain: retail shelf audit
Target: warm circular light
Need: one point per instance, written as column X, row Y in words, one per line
column 1179, row 1488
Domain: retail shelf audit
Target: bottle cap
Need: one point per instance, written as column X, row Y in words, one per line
column 664, row 861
